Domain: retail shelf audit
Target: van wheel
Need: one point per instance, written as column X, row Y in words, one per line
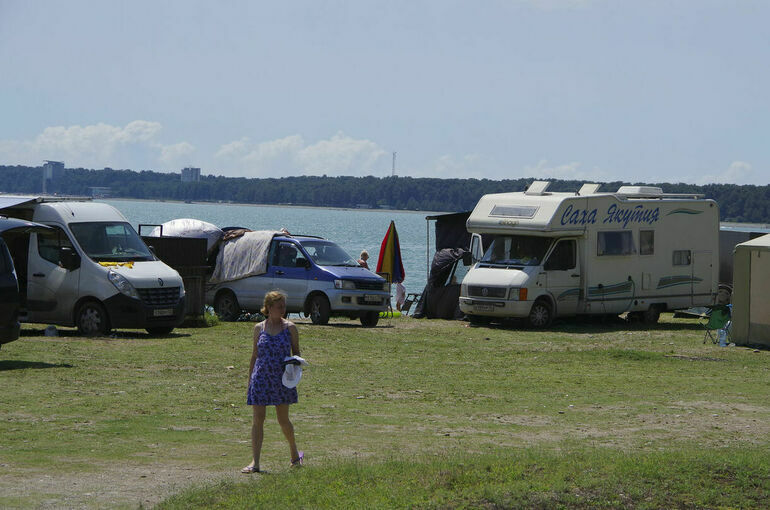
column 92, row 319
column 478, row 320
column 540, row 315
column 160, row 331
column 370, row 319
column 651, row 315
column 319, row 310
column 226, row 306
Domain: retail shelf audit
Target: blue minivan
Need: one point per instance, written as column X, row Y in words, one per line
column 319, row 278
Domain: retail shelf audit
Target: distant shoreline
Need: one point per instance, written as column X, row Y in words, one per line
column 289, row 206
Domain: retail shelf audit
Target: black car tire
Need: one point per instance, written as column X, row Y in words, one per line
column 226, row 306
column 370, row 319
column 540, row 316
column 92, row 319
column 319, row 310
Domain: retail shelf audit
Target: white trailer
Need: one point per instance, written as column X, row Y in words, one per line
column 637, row 250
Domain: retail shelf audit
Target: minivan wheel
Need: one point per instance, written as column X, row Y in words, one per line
column 540, row 315
column 370, row 319
column 92, row 319
column 226, row 306
column 319, row 310
column 160, row 331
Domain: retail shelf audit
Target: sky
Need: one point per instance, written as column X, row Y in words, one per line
column 593, row 90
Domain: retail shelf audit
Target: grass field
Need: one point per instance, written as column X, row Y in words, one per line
column 413, row 413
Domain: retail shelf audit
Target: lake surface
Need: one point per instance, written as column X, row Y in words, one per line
column 353, row 229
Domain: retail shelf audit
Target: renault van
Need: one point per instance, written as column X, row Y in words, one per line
column 90, row 269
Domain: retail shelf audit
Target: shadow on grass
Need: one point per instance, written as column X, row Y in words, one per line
column 595, row 324
column 114, row 335
column 8, row 364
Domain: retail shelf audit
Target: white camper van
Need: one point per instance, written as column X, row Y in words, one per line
column 637, row 250
column 91, row 270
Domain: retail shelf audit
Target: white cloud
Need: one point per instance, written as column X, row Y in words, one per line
column 135, row 145
column 739, row 172
column 339, row 155
column 567, row 171
column 469, row 166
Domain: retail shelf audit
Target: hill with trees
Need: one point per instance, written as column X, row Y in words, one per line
column 739, row 203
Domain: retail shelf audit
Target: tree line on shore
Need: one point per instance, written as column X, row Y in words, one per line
column 739, row 203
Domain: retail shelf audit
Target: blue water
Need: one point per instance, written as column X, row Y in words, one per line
column 353, row 229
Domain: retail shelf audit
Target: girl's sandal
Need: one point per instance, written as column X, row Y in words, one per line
column 298, row 461
column 250, row 469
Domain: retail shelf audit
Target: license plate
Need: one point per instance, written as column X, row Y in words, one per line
column 483, row 308
column 162, row 312
column 372, row 299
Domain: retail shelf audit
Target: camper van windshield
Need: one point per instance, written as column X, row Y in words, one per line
column 517, row 250
column 326, row 253
column 110, row 242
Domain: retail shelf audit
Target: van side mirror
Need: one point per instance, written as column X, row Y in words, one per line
column 69, row 258
column 467, row 258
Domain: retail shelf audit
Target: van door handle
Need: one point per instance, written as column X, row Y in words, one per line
column 279, row 272
column 575, row 275
column 39, row 275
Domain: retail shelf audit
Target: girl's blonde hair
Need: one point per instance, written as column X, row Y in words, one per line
column 364, row 252
column 271, row 298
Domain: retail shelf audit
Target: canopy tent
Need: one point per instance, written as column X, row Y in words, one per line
column 751, row 279
column 389, row 260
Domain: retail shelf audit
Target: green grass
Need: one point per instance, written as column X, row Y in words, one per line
column 411, row 413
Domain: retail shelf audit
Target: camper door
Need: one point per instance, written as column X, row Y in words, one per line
column 562, row 273
column 702, row 272
column 51, row 289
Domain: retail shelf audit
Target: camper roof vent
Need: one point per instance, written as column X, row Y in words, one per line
column 640, row 191
column 537, row 188
column 588, row 189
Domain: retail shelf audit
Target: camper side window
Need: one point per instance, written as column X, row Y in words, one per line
column 646, row 242
column 49, row 243
column 682, row 257
column 615, row 243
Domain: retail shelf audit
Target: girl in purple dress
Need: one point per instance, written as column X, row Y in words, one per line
column 274, row 339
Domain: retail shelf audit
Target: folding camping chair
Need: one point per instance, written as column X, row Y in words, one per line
column 718, row 319
column 410, row 299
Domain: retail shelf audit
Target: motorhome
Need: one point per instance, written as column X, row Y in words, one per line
column 637, row 250
column 90, row 270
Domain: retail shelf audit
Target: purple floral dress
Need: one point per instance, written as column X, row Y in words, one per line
column 265, row 385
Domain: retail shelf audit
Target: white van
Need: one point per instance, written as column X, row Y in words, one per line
column 91, row 270
column 638, row 250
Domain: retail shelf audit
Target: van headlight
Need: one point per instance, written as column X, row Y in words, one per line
column 181, row 291
column 122, row 284
column 386, row 287
column 518, row 294
column 344, row 284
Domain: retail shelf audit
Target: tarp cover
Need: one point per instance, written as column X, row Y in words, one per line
column 440, row 301
column 243, row 256
column 188, row 227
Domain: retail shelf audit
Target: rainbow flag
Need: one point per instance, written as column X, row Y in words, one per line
column 389, row 260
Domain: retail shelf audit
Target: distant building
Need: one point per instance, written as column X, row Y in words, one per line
column 191, row 174
column 100, row 191
column 53, row 171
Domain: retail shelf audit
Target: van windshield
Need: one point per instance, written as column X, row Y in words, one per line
column 327, row 253
column 110, row 242
column 517, row 250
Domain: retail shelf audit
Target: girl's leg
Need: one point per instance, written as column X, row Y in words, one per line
column 257, row 433
column 282, row 412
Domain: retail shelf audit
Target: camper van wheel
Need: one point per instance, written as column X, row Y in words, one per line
column 92, row 319
column 651, row 315
column 478, row 320
column 319, row 310
column 540, row 315
column 370, row 319
column 160, row 331
column 226, row 306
